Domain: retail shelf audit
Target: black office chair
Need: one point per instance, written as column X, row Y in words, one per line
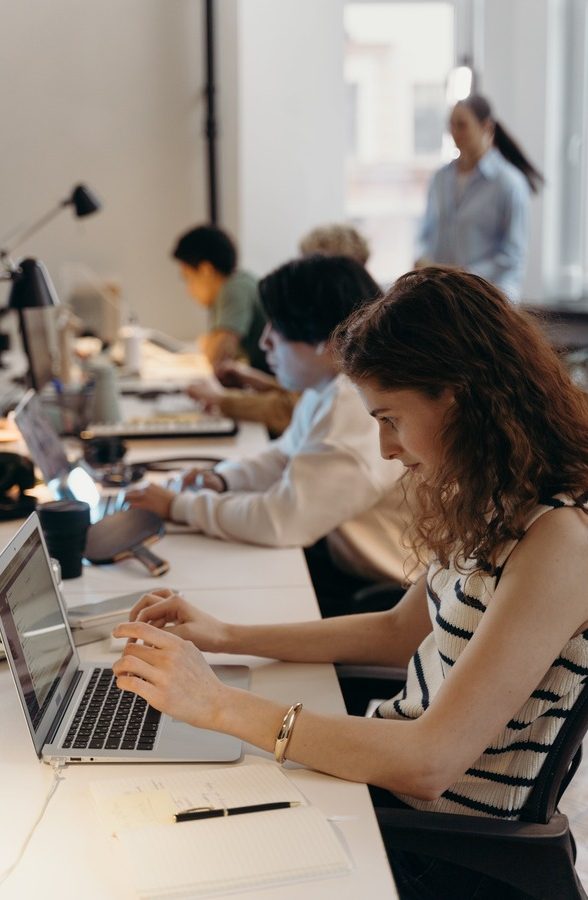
column 535, row 855
column 377, row 597
column 359, row 684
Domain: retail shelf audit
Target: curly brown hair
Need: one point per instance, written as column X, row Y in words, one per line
column 518, row 431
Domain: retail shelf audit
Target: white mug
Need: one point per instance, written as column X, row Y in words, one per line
column 132, row 338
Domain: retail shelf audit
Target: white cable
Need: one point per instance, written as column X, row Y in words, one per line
column 54, row 785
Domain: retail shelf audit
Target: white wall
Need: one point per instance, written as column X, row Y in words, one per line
column 108, row 93
column 281, row 97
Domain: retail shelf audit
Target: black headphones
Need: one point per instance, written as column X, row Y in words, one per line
column 16, row 472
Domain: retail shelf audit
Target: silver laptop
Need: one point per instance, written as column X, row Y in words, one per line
column 74, row 711
column 64, row 480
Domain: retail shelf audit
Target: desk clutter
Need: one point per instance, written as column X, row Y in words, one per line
column 75, row 486
column 223, row 852
column 106, row 407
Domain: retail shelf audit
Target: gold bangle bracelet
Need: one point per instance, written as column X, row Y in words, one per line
column 285, row 733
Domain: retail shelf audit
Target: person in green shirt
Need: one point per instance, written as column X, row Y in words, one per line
column 208, row 264
column 242, row 392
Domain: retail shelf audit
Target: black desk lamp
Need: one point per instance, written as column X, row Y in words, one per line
column 84, row 203
column 31, row 284
column 32, row 288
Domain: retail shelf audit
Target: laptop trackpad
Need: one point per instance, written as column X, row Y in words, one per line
column 179, row 740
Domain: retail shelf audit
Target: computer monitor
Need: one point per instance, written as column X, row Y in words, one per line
column 39, row 337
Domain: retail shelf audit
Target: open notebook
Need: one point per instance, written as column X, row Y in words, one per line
column 207, row 857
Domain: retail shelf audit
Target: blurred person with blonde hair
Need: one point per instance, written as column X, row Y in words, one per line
column 335, row 240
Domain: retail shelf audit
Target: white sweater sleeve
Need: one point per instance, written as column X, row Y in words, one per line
column 320, row 489
column 256, row 473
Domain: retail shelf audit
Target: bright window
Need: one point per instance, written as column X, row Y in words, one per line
column 397, row 59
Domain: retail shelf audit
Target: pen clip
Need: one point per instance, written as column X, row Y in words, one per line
column 196, row 809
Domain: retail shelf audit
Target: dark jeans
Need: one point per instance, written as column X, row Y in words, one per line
column 420, row 877
column 333, row 587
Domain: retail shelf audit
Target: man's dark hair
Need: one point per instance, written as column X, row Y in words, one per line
column 207, row 243
column 305, row 299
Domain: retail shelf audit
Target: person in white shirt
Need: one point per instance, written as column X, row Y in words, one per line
column 324, row 477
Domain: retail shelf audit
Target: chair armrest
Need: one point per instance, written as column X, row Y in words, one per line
column 430, row 824
column 377, row 597
column 361, row 684
column 526, row 855
column 371, row 673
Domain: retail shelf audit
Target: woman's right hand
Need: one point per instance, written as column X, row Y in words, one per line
column 167, row 609
column 202, row 478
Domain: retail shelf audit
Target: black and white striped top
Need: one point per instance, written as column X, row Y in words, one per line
column 500, row 781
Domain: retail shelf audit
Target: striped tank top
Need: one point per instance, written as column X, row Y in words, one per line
column 499, row 782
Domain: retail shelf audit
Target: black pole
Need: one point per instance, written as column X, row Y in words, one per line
column 210, row 127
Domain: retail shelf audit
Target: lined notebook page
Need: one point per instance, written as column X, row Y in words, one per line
column 199, row 859
column 206, row 857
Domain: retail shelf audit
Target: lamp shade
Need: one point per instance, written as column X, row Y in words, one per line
column 31, row 286
column 83, row 201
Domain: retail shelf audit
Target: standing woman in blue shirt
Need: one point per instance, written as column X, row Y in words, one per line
column 477, row 214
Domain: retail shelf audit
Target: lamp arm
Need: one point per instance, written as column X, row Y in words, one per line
column 8, row 271
column 32, row 229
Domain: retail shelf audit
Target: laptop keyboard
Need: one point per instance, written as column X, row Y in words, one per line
column 110, row 719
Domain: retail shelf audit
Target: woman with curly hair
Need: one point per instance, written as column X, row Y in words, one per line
column 494, row 437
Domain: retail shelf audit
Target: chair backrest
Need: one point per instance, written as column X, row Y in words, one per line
column 560, row 763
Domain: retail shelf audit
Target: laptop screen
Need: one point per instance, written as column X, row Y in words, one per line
column 66, row 482
column 40, row 342
column 36, row 637
column 41, row 438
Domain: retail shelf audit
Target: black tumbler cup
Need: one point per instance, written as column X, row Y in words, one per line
column 65, row 524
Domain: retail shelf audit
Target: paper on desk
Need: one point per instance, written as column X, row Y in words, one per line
column 211, row 856
column 132, row 802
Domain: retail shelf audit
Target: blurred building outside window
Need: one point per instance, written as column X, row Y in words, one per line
column 398, row 56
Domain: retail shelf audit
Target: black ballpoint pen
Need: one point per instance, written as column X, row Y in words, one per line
column 206, row 812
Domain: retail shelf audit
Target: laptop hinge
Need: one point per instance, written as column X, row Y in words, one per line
column 63, row 707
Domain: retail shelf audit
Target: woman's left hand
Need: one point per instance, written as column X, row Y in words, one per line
column 169, row 673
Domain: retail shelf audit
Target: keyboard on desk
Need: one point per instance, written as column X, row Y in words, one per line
column 162, row 426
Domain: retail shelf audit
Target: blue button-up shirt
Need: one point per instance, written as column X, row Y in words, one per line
column 485, row 230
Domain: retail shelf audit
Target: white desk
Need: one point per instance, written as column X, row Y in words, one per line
column 68, row 856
